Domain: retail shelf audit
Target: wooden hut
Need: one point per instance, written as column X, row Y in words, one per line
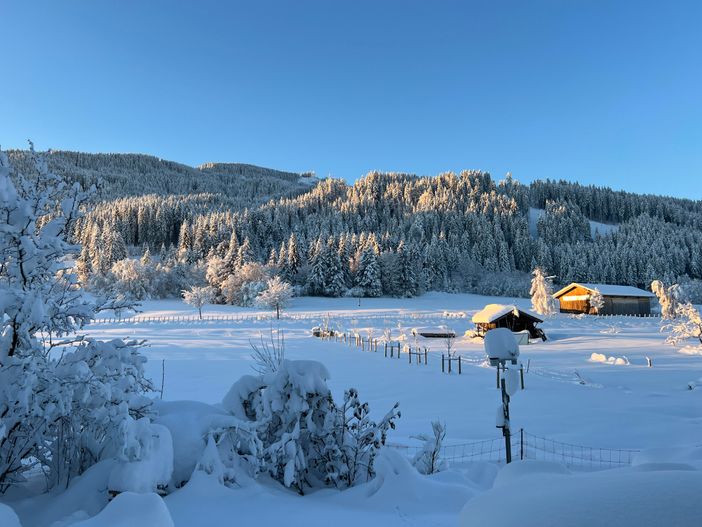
column 507, row 316
column 618, row 299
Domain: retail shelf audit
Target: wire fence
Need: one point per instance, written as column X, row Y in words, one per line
column 529, row 446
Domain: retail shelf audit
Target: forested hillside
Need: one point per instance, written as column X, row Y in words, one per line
column 399, row 234
column 120, row 175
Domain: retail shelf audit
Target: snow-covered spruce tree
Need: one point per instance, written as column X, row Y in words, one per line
column 368, row 274
column 541, row 294
column 276, row 295
column 686, row 324
column 596, row 301
column 63, row 400
column 198, row 296
column 307, row 440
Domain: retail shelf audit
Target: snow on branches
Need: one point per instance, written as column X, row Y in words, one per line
column 686, row 324
column 541, row 293
column 198, row 297
column 62, row 399
column 307, row 439
column 276, row 295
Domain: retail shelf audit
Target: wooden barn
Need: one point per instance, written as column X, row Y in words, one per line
column 507, row 316
column 618, row 299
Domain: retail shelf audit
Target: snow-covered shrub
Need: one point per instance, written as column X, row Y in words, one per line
column 57, row 410
column 103, row 388
column 428, row 459
column 268, row 354
column 306, row 439
column 133, row 278
column 686, row 324
column 242, row 287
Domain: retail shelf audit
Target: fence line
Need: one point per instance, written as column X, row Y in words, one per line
column 265, row 316
column 530, row 446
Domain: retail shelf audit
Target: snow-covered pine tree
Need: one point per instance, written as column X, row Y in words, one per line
column 541, row 294
column 334, row 283
column 368, row 274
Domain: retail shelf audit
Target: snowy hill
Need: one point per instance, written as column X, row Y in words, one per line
column 121, row 175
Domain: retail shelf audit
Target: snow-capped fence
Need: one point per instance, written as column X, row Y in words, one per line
column 383, row 315
column 530, row 446
column 164, row 319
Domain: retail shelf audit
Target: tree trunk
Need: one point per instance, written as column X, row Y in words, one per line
column 277, row 311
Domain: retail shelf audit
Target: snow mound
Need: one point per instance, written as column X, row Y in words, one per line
column 153, row 470
column 8, row 518
column 399, row 483
column 623, row 497
column 691, row 350
column 190, row 424
column 130, row 509
column 617, row 361
column 515, row 472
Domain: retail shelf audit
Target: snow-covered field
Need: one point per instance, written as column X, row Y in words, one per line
column 589, row 384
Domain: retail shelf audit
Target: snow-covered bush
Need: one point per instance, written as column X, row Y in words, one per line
column 308, row 440
column 276, row 295
column 59, row 404
column 198, row 296
column 133, row 278
column 542, row 294
column 686, row 324
column 428, row 459
column 103, row 388
column 243, row 287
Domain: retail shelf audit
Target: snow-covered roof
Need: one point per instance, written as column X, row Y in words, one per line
column 492, row 312
column 609, row 290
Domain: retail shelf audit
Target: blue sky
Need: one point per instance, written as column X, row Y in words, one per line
column 601, row 92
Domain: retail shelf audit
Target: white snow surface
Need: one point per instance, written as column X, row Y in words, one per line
column 544, row 495
column 130, row 509
column 567, row 397
column 8, row 518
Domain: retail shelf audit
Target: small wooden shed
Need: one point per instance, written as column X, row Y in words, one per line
column 618, row 299
column 507, row 316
